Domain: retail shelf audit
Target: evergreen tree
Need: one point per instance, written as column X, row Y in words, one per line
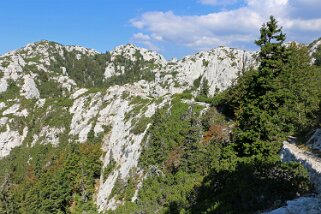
column 205, row 88
column 273, row 53
column 254, row 115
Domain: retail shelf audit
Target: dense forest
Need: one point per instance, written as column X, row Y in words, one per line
column 217, row 155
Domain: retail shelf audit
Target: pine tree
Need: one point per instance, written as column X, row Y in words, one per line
column 273, row 53
column 253, row 115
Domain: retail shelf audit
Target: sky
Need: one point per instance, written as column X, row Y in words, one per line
column 174, row 28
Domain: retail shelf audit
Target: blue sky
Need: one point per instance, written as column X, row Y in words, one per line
column 172, row 27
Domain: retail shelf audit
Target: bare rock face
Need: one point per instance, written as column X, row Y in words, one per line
column 314, row 45
column 48, row 135
column 313, row 48
column 29, row 88
column 290, row 152
column 133, row 53
column 220, row 66
column 10, row 139
column 303, row 205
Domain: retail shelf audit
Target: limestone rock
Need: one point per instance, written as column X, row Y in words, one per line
column 303, row 205
column 29, row 88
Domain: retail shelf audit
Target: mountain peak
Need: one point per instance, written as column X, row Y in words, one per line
column 134, row 53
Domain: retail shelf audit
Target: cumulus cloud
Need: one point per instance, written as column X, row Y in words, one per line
column 145, row 40
column 235, row 27
column 141, row 36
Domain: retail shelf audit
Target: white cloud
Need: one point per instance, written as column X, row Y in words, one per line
column 145, row 40
column 141, row 36
column 236, row 27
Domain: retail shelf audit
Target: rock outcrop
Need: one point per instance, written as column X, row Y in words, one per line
column 312, row 162
column 291, row 152
column 303, row 205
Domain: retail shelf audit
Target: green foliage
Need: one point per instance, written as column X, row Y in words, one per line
column 124, row 190
column 286, row 107
column 185, row 95
column 204, row 99
column 35, row 59
column 174, row 159
column 197, row 82
column 205, row 63
column 252, row 186
column 5, row 63
column 87, row 71
column 169, row 130
column 272, row 54
column 167, row 193
column 141, row 125
column 175, row 150
column 212, row 117
column 48, row 87
column 64, row 102
column 58, row 118
column 139, row 105
column 203, row 95
column 11, row 93
column 110, row 167
column 281, row 98
column 205, row 88
column 44, row 179
column 134, row 70
column 96, row 138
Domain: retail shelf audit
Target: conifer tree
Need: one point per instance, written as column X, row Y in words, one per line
column 205, row 88
column 255, row 114
column 273, row 53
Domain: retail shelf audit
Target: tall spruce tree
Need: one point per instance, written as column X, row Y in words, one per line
column 255, row 115
column 273, row 53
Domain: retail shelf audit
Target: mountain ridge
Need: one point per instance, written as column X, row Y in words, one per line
column 52, row 94
column 66, row 87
